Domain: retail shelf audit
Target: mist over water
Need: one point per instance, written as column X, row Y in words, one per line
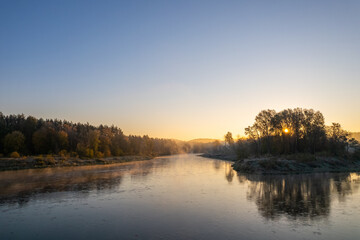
column 176, row 197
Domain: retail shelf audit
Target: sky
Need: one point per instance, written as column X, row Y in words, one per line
column 179, row 69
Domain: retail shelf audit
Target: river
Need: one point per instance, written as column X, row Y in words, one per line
column 176, row 197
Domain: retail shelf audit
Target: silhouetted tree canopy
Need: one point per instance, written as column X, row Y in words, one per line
column 30, row 136
column 293, row 131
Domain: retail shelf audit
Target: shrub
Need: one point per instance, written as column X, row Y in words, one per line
column 15, row 155
column 107, row 153
column 50, row 161
column 74, row 154
column 99, row 155
column 241, row 150
column 14, row 142
column 39, row 162
column 356, row 155
column 89, row 153
column 63, row 153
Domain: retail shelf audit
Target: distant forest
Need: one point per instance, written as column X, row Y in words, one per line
column 355, row 135
column 20, row 135
column 292, row 131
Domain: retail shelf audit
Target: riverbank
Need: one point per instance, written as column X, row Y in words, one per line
column 48, row 162
column 220, row 156
column 290, row 164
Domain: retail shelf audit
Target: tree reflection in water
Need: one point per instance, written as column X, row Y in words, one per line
column 229, row 172
column 217, row 164
column 303, row 195
column 295, row 196
column 19, row 187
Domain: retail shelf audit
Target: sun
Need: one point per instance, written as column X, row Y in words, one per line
column 286, row 130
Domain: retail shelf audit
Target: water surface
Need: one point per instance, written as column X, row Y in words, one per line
column 177, row 197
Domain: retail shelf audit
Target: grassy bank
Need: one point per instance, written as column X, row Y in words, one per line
column 288, row 164
column 221, row 156
column 51, row 161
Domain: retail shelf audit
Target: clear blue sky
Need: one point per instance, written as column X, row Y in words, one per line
column 179, row 69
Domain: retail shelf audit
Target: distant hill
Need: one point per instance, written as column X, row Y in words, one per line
column 202, row 140
column 355, row 135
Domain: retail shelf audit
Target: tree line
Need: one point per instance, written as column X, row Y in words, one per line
column 292, row 131
column 20, row 135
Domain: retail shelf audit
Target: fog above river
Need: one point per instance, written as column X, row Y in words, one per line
column 300, row 195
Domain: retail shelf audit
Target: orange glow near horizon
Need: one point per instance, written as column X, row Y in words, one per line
column 286, row 130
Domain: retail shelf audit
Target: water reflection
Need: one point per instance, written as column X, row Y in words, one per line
column 229, row 173
column 19, row 187
column 217, row 164
column 305, row 196
column 226, row 165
